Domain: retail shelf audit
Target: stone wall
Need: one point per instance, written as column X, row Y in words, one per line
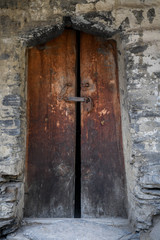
column 135, row 26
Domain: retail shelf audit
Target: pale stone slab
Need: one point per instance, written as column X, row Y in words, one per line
column 74, row 229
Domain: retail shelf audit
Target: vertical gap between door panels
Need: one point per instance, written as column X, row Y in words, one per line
column 77, row 210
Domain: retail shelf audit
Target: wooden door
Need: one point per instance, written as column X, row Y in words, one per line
column 51, row 129
column 102, row 173
column 55, row 71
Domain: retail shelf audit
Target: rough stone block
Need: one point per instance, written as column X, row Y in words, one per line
column 137, row 3
column 7, row 210
column 84, row 8
column 8, row 24
column 16, row 4
column 105, row 5
column 151, row 178
column 9, row 192
column 12, row 100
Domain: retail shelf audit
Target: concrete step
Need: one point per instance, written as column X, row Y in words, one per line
column 74, row 229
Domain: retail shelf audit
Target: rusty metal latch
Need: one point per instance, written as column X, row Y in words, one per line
column 87, row 100
column 77, row 99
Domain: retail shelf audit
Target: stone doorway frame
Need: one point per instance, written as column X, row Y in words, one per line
column 36, row 35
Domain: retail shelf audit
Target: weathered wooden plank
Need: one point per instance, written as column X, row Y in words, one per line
column 102, row 173
column 51, row 128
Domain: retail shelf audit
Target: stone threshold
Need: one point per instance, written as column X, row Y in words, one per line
column 74, row 229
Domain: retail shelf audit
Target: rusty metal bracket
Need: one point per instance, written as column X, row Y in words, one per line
column 77, row 99
column 87, row 100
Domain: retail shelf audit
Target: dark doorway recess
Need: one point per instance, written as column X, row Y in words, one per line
column 78, row 137
column 74, row 162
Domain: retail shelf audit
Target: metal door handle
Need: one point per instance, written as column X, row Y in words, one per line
column 87, row 100
column 77, row 99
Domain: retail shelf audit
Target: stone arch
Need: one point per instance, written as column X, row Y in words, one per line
column 92, row 23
